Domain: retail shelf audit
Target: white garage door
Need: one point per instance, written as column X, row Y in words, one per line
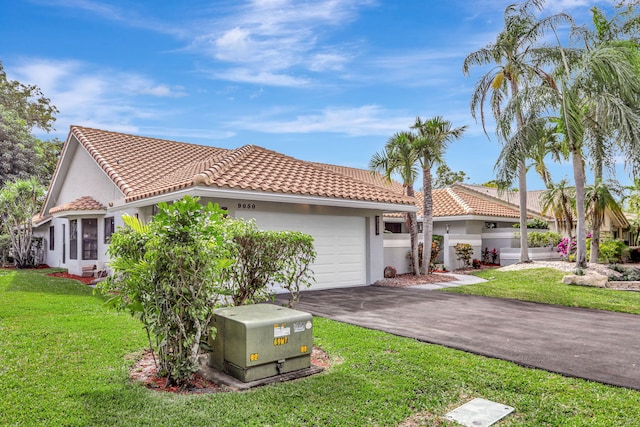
column 339, row 241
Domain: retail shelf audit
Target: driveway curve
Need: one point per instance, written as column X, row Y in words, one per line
column 591, row 344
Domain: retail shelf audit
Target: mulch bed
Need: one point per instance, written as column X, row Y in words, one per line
column 408, row 279
column 65, row 275
column 145, row 372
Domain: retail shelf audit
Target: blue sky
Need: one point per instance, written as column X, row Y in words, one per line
column 325, row 80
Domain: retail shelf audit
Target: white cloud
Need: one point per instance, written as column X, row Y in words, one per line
column 352, row 121
column 93, row 96
column 245, row 75
column 266, row 41
column 127, row 16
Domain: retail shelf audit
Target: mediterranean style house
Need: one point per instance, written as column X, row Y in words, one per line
column 103, row 175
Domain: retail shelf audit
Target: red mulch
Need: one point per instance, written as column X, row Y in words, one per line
column 85, row 280
column 145, row 372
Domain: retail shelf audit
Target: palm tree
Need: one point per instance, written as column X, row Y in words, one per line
column 599, row 198
column 559, row 200
column 399, row 157
column 517, row 60
column 602, row 86
column 433, row 137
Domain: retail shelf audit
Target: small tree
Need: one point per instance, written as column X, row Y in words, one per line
column 19, row 201
column 169, row 272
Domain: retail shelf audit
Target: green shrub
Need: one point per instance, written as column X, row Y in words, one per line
column 539, row 239
column 5, row 248
column 613, row 251
column 464, row 251
column 535, row 223
column 281, row 258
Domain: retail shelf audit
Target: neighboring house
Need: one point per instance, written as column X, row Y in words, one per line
column 103, row 175
column 483, row 217
column 460, row 216
column 615, row 225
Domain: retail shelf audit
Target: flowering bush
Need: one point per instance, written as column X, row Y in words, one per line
column 490, row 256
column 566, row 248
column 494, row 256
column 464, row 251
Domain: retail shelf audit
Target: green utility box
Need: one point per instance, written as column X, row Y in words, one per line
column 261, row 340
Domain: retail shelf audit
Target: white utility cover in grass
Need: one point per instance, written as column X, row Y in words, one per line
column 479, row 413
column 340, row 243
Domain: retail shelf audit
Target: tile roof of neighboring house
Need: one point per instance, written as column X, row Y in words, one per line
column 143, row 167
column 454, row 201
column 85, row 203
column 533, row 197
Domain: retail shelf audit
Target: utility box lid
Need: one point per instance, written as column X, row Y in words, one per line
column 258, row 340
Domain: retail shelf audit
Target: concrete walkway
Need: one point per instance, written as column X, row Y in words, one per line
column 592, row 344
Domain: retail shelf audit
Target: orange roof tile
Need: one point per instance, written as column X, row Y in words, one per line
column 512, row 197
column 454, row 202
column 85, row 203
column 143, row 167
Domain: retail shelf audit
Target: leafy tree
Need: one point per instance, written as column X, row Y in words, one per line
column 20, row 200
column 169, row 272
column 434, row 135
column 445, row 177
column 518, row 60
column 22, row 107
column 47, row 154
column 17, row 154
column 27, row 102
column 399, row 157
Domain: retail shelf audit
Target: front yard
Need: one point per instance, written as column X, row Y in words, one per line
column 64, row 360
column 543, row 285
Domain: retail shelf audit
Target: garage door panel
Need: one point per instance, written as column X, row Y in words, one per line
column 340, row 243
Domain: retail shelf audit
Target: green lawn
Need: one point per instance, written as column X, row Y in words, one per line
column 64, row 361
column 544, row 285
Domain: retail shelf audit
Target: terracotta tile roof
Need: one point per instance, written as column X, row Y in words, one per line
column 39, row 219
column 133, row 162
column 456, row 202
column 453, row 202
column 143, row 167
column 511, row 197
column 85, row 203
column 366, row 176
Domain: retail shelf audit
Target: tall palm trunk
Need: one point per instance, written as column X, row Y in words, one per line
column 596, row 215
column 522, row 187
column 412, row 223
column 427, row 220
column 578, row 173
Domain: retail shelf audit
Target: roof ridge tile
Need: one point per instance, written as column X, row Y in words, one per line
column 102, row 162
column 207, row 176
column 468, row 209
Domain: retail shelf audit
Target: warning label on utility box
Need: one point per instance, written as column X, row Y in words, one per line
column 281, row 331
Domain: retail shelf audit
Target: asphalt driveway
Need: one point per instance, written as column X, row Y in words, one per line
column 592, row 344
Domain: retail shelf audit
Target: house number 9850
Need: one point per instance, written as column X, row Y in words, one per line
column 246, row 205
